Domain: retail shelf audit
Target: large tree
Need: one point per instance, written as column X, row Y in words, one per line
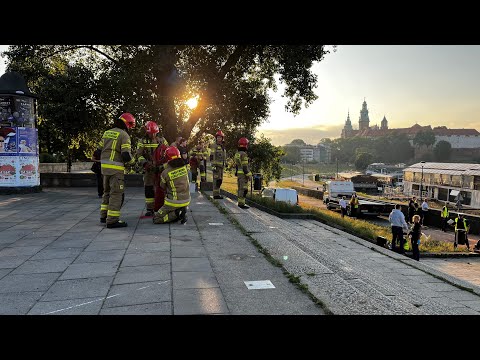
column 442, row 151
column 153, row 82
column 424, row 138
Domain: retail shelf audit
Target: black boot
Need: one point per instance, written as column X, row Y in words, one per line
column 149, row 213
column 103, row 220
column 117, row 224
column 244, row 206
column 218, row 197
column 183, row 215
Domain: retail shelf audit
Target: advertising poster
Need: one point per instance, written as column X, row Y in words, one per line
column 8, row 140
column 8, row 170
column 23, row 115
column 27, row 141
column 27, row 174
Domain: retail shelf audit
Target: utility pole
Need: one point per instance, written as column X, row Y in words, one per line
column 337, row 169
column 303, row 171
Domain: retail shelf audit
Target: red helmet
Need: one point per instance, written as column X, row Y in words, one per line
column 151, row 127
column 219, row 133
column 243, row 142
column 128, row 119
column 172, row 153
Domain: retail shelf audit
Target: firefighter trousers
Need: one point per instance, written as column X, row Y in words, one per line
column 113, row 197
column 148, row 181
column 165, row 214
column 217, row 179
column 242, row 183
column 194, row 171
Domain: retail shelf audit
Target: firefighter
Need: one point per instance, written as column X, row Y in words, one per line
column 116, row 153
column 197, row 162
column 217, row 159
column 242, row 171
column 145, row 150
column 159, row 162
column 174, row 181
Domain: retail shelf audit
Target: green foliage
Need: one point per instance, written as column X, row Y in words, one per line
column 265, row 159
column 424, row 138
column 442, row 151
column 153, row 82
column 292, row 154
column 299, row 142
column 363, row 160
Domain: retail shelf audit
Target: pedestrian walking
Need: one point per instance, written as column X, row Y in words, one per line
column 424, row 212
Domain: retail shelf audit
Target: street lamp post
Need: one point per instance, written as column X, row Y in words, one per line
column 337, row 169
column 421, row 182
column 303, row 171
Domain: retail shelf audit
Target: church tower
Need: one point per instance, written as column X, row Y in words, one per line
column 384, row 125
column 363, row 121
column 347, row 129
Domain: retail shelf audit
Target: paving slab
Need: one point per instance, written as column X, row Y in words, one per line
column 18, row 303
column 43, row 266
column 199, row 302
column 86, row 306
column 147, row 258
column 164, row 308
column 27, row 282
column 135, row 274
column 78, row 289
column 90, row 270
column 139, row 293
column 100, row 256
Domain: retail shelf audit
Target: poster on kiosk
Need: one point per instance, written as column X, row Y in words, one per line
column 19, row 162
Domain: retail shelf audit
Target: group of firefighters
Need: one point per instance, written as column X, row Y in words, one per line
column 166, row 171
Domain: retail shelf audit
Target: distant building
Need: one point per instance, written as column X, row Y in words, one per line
column 458, row 138
column 320, row 153
column 444, row 181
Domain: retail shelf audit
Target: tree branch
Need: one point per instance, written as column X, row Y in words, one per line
column 91, row 47
column 199, row 112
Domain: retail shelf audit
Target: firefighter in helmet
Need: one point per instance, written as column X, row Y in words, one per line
column 146, row 147
column 116, row 153
column 218, row 156
column 197, row 162
column 174, row 181
column 242, row 171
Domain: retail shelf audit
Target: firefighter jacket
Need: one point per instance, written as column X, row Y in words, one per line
column 241, row 164
column 176, row 185
column 200, row 153
column 114, row 143
column 146, row 148
column 218, row 155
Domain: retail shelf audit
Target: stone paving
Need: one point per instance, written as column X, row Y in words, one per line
column 56, row 258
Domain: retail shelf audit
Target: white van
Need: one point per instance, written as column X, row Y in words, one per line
column 281, row 194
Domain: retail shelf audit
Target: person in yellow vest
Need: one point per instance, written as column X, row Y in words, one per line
column 354, row 205
column 116, row 153
column 461, row 230
column 444, row 214
column 242, row 171
column 146, row 147
column 218, row 156
column 174, row 181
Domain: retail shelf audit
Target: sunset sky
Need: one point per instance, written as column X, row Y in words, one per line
column 425, row 84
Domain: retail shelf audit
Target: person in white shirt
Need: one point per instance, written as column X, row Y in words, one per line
column 397, row 220
column 423, row 212
column 343, row 206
